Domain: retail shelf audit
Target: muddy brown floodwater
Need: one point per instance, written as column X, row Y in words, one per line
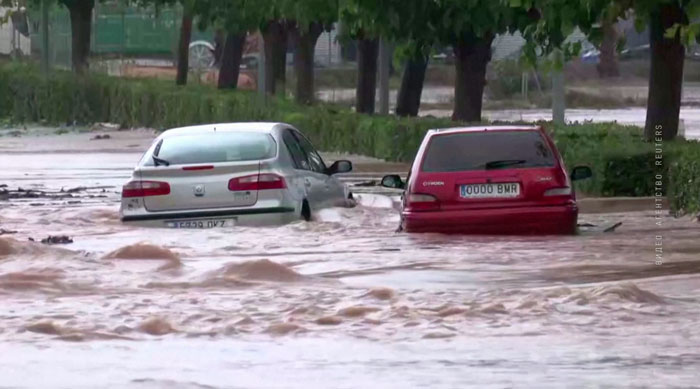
column 342, row 302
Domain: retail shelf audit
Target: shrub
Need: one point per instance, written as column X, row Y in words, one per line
column 632, row 174
column 621, row 161
column 684, row 179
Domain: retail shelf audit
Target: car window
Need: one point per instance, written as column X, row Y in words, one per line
column 298, row 156
column 314, row 158
column 487, row 150
column 214, row 147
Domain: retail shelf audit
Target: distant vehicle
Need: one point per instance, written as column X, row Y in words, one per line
column 644, row 52
column 489, row 180
column 637, row 52
column 201, row 55
column 443, row 55
column 219, row 175
column 591, row 56
column 249, row 61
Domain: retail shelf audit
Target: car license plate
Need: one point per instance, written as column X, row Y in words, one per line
column 209, row 223
column 497, row 190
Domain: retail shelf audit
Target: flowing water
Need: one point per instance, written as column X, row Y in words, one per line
column 341, row 302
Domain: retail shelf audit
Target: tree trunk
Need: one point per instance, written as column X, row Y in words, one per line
column 231, row 61
column 367, row 54
column 275, row 38
column 183, row 48
column 81, row 26
column 472, row 54
column 408, row 101
column 280, row 61
column 304, row 62
column 608, row 66
column 666, row 74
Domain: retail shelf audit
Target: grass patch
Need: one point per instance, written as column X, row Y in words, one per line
column 617, row 154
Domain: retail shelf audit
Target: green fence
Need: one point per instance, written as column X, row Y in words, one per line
column 118, row 30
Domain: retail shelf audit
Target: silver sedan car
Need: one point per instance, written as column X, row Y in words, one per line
column 219, row 175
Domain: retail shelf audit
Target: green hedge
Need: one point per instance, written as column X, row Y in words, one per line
column 623, row 164
column 684, row 177
column 618, row 181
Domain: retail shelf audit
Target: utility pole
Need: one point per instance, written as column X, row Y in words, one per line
column 385, row 56
column 45, row 36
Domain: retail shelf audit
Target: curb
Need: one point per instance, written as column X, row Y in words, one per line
column 620, row 204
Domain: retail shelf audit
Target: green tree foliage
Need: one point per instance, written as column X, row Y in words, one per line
column 235, row 18
column 306, row 20
column 672, row 25
column 468, row 26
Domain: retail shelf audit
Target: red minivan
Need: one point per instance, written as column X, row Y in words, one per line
column 489, row 180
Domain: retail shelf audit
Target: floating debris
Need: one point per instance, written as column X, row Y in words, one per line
column 613, row 227
column 58, row 239
column 366, row 184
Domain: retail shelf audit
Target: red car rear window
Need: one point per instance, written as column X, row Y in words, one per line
column 485, row 150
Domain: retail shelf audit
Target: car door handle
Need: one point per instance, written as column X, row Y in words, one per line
column 307, row 183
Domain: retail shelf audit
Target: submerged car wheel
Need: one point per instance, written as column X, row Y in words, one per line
column 350, row 202
column 305, row 211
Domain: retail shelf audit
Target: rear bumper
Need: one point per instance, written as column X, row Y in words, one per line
column 246, row 216
column 544, row 220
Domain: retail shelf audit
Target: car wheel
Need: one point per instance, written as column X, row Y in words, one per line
column 350, row 201
column 305, row 211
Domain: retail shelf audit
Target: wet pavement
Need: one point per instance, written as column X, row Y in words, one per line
column 341, row 302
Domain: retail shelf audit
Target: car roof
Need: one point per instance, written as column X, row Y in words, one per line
column 258, row 127
column 457, row 130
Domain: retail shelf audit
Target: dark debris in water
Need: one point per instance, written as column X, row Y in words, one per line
column 58, row 239
column 366, row 184
column 21, row 193
column 613, row 227
column 596, row 228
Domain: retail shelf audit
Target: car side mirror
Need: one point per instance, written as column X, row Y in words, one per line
column 341, row 166
column 393, row 181
column 581, row 173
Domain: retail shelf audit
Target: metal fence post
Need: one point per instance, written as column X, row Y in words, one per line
column 45, row 36
column 261, row 66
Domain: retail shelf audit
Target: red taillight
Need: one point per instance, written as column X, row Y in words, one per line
column 145, row 189
column 257, row 182
column 422, row 202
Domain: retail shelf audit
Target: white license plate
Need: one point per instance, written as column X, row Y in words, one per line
column 497, row 190
column 208, row 223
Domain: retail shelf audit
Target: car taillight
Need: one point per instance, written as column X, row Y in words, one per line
column 422, row 202
column 563, row 191
column 145, row 189
column 257, row 182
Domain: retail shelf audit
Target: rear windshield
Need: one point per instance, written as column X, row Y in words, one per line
column 487, row 150
column 214, row 147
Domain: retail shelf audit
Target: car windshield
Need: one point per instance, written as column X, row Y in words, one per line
column 487, row 150
column 213, row 148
